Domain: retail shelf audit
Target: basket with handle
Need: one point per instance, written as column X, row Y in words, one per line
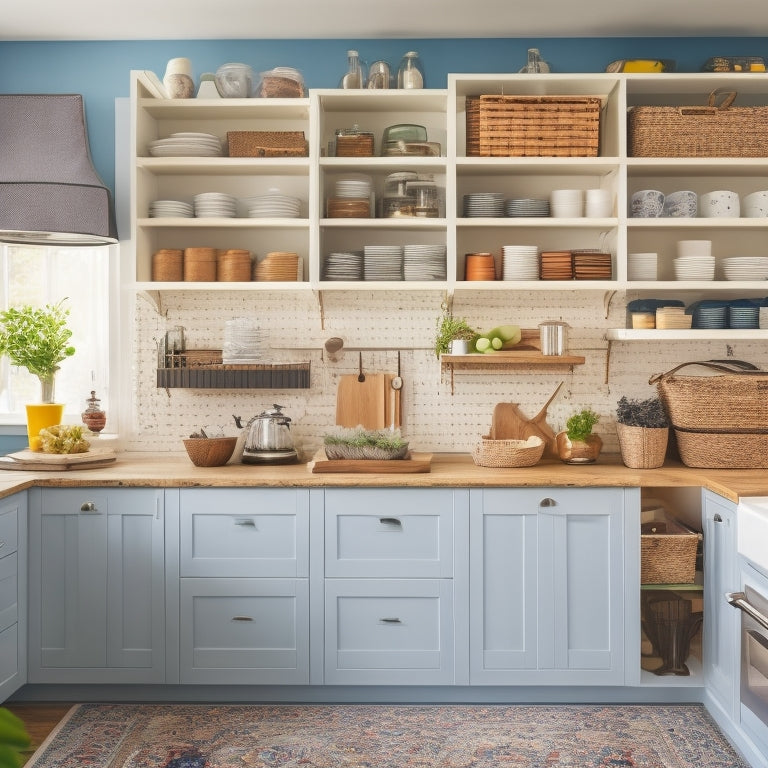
column 720, row 420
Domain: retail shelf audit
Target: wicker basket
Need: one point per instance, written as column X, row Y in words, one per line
column 534, row 126
column 210, row 451
column 668, row 557
column 720, row 422
column 712, row 130
column 168, row 265
column 508, row 453
column 643, row 447
column 267, row 144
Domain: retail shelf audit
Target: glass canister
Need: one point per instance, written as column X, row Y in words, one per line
column 410, row 74
column 93, row 417
column 424, row 191
column 398, row 200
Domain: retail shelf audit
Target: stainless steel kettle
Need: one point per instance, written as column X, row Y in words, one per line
column 269, row 439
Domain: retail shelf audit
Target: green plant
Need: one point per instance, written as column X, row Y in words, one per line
column 579, row 425
column 648, row 413
column 361, row 438
column 37, row 338
column 450, row 328
column 14, row 739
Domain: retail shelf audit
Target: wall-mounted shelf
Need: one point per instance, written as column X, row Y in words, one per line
column 227, row 376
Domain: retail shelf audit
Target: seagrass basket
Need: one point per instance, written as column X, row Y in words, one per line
column 642, row 447
column 267, row 144
column 508, row 453
column 668, row 556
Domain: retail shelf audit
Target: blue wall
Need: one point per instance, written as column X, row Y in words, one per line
column 100, row 70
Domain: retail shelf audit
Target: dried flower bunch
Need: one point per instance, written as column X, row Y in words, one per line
column 648, row 413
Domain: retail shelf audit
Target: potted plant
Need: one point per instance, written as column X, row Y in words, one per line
column 450, row 329
column 643, row 429
column 577, row 444
column 37, row 338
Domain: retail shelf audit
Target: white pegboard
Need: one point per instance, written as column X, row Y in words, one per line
column 434, row 418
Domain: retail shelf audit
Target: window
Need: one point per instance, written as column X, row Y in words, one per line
column 40, row 275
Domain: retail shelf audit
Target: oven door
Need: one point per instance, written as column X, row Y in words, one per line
column 753, row 602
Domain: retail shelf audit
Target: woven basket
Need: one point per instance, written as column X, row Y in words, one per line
column 720, row 421
column 670, row 557
column 534, row 126
column 267, row 144
column 357, row 145
column 168, row 265
column 642, row 447
column 210, row 451
column 508, row 453
column 712, row 130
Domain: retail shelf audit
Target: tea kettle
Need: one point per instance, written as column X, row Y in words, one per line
column 268, row 439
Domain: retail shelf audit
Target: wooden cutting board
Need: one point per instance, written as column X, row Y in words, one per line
column 50, row 462
column 361, row 403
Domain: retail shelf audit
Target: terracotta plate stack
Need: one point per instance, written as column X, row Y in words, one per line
column 479, row 266
column 278, row 266
column 589, row 265
column 556, row 265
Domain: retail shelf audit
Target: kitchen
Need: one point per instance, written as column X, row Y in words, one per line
column 436, row 418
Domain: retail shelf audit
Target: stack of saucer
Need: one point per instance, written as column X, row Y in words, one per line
column 170, row 208
column 382, row 262
column 520, row 262
column 187, row 145
column 343, row 265
column 424, row 262
column 746, row 268
column 272, row 206
column 278, row 266
column 526, row 207
column 695, row 268
column 215, row 204
column 642, row 266
column 479, row 204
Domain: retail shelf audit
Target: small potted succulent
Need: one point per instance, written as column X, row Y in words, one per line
column 643, row 430
column 452, row 329
column 577, row 444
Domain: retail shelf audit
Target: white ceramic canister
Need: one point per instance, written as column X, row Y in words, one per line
column 178, row 81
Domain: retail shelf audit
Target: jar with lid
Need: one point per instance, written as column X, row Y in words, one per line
column 424, row 191
column 398, row 200
column 354, row 75
column 93, row 417
column 410, row 74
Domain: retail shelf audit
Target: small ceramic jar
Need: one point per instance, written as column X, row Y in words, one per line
column 178, row 81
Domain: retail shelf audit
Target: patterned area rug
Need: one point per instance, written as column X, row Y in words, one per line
column 386, row 736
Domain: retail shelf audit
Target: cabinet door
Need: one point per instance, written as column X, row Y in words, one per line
column 721, row 623
column 546, row 581
column 97, row 610
column 13, row 587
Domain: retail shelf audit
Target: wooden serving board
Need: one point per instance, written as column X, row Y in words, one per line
column 57, row 462
column 361, row 403
column 414, row 462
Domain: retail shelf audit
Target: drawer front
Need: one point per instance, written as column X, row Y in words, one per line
column 244, row 532
column 398, row 532
column 9, row 531
column 244, row 631
column 9, row 652
column 9, row 590
column 389, row 631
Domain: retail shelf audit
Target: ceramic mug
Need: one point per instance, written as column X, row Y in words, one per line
column 720, row 204
column 647, row 203
column 681, row 204
column 755, row 205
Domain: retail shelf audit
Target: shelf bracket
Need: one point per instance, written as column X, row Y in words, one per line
column 155, row 298
column 607, row 299
column 321, row 308
column 608, row 362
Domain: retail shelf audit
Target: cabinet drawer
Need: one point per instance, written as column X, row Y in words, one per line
column 244, row 631
column 9, row 583
column 397, row 532
column 389, row 631
column 9, row 531
column 244, row 532
column 9, row 652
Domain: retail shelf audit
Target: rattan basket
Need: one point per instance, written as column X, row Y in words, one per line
column 508, row 453
column 642, row 447
column 716, row 129
column 210, row 451
column 267, row 144
column 533, row 126
column 668, row 557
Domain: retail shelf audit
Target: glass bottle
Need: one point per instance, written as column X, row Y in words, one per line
column 535, row 63
column 354, row 76
column 93, row 417
column 409, row 75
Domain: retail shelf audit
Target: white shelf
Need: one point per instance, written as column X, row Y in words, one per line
column 685, row 334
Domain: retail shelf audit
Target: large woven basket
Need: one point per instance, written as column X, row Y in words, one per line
column 717, row 129
column 720, row 421
column 508, row 453
column 267, row 144
column 533, row 126
column 668, row 557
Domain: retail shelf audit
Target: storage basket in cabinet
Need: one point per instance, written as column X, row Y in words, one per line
column 267, row 144
column 667, row 553
column 715, row 129
column 533, row 126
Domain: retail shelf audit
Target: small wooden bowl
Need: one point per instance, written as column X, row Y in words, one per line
column 210, row 451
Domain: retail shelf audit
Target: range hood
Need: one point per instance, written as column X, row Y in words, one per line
column 50, row 193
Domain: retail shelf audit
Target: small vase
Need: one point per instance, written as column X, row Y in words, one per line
column 47, row 387
column 578, row 451
column 642, row 447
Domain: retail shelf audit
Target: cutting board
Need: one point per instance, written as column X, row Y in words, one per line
column 413, row 463
column 361, row 403
column 57, row 462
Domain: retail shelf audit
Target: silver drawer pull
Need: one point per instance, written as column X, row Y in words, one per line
column 89, row 506
column 739, row 600
column 391, row 521
column 247, row 521
column 547, row 502
column 242, row 618
column 392, row 620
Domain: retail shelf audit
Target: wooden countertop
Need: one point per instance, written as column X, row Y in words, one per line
column 455, row 470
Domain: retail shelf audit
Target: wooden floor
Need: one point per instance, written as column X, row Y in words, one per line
column 39, row 719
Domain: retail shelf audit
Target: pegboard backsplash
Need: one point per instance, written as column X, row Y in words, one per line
column 383, row 323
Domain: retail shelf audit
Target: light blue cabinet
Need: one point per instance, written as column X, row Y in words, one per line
column 13, row 588
column 96, row 597
column 721, row 648
column 547, row 586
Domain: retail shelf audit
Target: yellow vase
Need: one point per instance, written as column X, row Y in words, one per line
column 40, row 416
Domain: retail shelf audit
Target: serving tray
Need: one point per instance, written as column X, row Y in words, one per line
column 412, row 463
column 57, row 462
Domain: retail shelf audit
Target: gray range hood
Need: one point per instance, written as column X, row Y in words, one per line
column 50, row 193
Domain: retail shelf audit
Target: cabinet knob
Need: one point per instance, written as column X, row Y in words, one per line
column 717, row 518
column 88, row 506
column 547, row 502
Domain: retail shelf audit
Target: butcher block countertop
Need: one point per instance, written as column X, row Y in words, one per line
column 456, row 470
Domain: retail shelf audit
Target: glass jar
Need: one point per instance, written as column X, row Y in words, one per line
column 424, row 192
column 93, row 417
column 398, row 199
column 410, row 74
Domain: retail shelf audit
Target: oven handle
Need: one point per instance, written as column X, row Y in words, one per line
column 739, row 600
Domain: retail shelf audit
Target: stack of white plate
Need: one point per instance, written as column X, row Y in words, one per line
column 159, row 209
column 215, row 204
column 480, row 204
column 642, row 266
column 526, row 207
column 695, row 268
column 520, row 262
column 424, row 262
column 187, row 145
column 355, row 185
column 743, row 317
column 746, row 268
column 382, row 262
column 243, row 341
column 343, row 265
column 272, row 206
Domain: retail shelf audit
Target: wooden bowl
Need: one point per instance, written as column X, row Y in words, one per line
column 210, row 451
